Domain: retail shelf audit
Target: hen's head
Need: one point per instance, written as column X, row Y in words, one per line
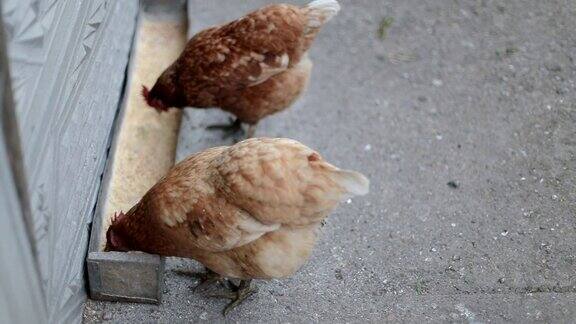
column 114, row 239
column 164, row 94
column 153, row 100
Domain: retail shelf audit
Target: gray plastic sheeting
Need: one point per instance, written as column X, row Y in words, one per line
column 68, row 61
column 21, row 298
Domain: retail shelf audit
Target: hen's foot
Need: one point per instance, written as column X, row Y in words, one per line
column 238, row 294
column 205, row 279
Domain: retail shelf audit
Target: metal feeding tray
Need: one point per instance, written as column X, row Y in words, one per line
column 142, row 151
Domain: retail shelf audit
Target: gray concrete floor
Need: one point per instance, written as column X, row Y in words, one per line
column 476, row 93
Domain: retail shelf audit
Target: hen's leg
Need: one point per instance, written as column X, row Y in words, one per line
column 238, row 294
column 206, row 278
column 251, row 130
column 230, row 129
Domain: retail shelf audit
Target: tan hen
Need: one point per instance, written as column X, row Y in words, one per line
column 245, row 211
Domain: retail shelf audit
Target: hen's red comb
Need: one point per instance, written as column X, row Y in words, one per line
column 117, row 216
column 145, row 93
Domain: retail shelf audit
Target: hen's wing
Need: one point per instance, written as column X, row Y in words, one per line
column 282, row 181
column 216, row 226
column 244, row 52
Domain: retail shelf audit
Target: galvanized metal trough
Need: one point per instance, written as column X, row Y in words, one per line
column 142, row 151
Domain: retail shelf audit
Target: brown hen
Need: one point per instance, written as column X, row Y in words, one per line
column 245, row 211
column 251, row 67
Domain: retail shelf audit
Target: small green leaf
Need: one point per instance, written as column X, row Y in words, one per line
column 385, row 23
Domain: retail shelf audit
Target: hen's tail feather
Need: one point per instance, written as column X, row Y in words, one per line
column 355, row 183
column 320, row 11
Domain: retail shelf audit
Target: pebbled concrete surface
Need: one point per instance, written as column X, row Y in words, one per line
column 464, row 118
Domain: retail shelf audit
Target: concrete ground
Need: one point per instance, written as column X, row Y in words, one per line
column 463, row 115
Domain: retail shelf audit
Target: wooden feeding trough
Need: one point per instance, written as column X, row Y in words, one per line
column 142, row 151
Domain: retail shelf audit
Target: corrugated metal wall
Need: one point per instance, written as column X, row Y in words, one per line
column 67, row 60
